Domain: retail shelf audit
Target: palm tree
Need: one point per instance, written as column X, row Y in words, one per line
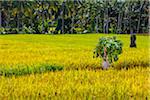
column 96, row 15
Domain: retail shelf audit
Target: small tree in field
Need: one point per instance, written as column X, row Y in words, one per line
column 108, row 49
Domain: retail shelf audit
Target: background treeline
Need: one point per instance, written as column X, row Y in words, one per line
column 74, row 16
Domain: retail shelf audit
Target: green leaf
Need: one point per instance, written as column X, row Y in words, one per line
column 113, row 46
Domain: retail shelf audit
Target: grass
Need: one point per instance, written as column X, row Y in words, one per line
column 82, row 84
column 70, row 51
column 81, row 77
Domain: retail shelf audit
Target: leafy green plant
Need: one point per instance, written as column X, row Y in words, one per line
column 2, row 30
column 29, row 70
column 27, row 30
column 108, row 49
column 9, row 30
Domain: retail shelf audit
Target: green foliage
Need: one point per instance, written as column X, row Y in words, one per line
column 29, row 70
column 113, row 48
column 2, row 30
column 90, row 16
column 9, row 30
column 28, row 30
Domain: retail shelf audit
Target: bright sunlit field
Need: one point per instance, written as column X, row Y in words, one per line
column 81, row 76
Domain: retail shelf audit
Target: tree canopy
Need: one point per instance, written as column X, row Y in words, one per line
column 74, row 16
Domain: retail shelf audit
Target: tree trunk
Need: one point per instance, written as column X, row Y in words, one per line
column 18, row 16
column 97, row 24
column 138, row 26
column 72, row 24
column 31, row 16
column 63, row 14
column 22, row 10
column 139, row 21
column 62, row 23
column 106, row 19
column 42, row 16
column 107, row 22
column 130, row 26
column 0, row 14
column 105, row 63
column 119, row 23
column 104, row 25
column 8, row 17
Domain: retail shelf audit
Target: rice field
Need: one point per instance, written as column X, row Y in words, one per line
column 77, row 74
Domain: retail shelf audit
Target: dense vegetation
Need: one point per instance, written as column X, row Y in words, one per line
column 62, row 66
column 73, row 85
column 74, row 16
column 81, row 76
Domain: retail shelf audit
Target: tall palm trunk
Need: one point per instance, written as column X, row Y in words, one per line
column 106, row 19
column 97, row 26
column 43, row 16
column 63, row 24
column 72, row 24
column 22, row 10
column 72, row 19
column 107, row 22
column 119, row 23
column 0, row 14
column 130, row 25
column 138, row 26
column 18, row 16
column 130, row 28
column 31, row 16
column 63, row 15
column 139, row 19
column 104, row 22
column 8, row 16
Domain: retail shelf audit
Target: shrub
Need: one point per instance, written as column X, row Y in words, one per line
column 2, row 30
column 28, row 30
column 108, row 49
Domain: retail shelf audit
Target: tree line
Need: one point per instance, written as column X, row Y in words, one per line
column 74, row 16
